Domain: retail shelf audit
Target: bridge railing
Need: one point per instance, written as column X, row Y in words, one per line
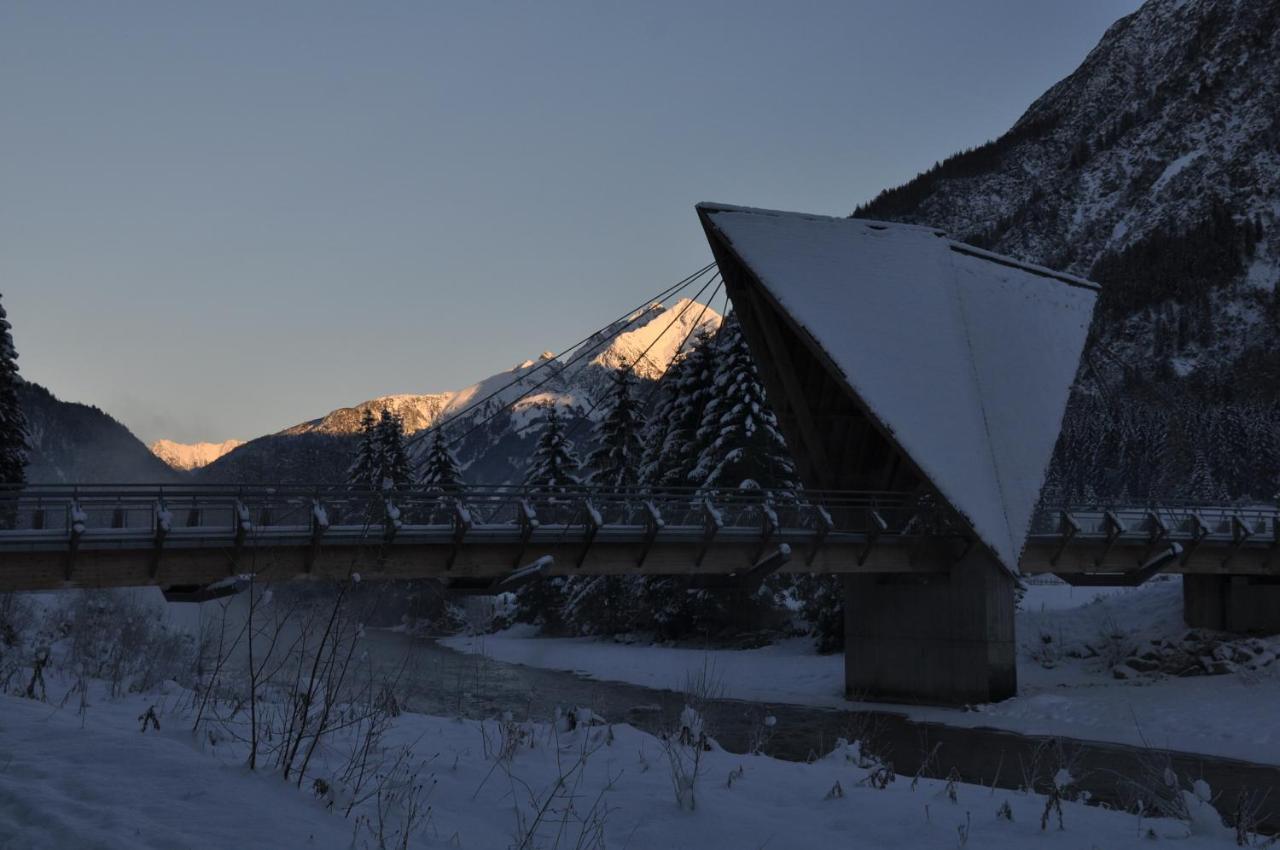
column 106, row 512
column 1171, row 519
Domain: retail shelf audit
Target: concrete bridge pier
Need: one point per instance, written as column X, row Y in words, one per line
column 1245, row 604
column 943, row 637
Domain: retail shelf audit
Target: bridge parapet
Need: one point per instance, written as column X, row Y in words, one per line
column 1185, row 536
column 129, row 508
column 479, row 530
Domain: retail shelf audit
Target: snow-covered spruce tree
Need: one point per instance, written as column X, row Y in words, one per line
column 552, row 471
column 689, row 395
column 366, row 469
column 442, row 478
column 610, row 604
column 741, row 444
column 553, row 468
column 615, row 464
column 656, row 426
column 13, row 424
column 740, row 447
column 440, row 472
column 674, row 609
column 396, row 471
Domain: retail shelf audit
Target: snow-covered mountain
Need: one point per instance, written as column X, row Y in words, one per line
column 189, row 456
column 491, row 420
column 1154, row 168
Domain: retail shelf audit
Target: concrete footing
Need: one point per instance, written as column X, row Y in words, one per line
column 1241, row 604
column 936, row 638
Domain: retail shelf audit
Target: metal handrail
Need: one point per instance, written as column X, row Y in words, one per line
column 132, row 508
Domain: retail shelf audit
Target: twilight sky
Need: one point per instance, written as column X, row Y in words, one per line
column 221, row 219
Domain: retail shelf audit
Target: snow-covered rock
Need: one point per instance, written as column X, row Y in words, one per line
column 188, row 456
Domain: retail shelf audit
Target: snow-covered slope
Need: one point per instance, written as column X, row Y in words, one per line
column 416, row 411
column 1153, row 169
column 188, row 456
column 94, row 780
column 647, row 341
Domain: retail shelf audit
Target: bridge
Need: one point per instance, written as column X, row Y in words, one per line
column 920, row 384
column 485, row 538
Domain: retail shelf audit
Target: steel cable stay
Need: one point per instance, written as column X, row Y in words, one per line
column 584, row 351
column 633, row 315
column 630, row 368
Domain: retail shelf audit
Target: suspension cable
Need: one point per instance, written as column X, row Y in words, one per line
column 631, row 368
column 583, row 351
column 671, row 290
column 648, row 398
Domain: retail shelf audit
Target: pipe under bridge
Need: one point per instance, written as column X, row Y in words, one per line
column 490, row 538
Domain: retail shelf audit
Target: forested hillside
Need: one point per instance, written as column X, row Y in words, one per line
column 1154, row 169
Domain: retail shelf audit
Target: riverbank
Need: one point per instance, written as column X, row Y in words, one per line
column 89, row 778
column 1062, row 690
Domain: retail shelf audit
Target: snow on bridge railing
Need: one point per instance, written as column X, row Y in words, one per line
column 131, row 510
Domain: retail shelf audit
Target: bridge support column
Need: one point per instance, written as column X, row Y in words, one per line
column 1241, row 604
column 937, row 638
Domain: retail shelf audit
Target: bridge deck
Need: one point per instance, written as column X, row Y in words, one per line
column 1171, row 537
column 119, row 536
column 99, row 536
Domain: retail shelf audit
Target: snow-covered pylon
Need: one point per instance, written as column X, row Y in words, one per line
column 956, row 361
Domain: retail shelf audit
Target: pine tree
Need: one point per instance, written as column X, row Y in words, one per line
column 440, row 473
column 615, row 464
column 656, row 427
column 13, row 424
column 742, row 446
column 366, row 469
column 396, row 471
column 1202, row 487
column 553, row 469
column 689, row 393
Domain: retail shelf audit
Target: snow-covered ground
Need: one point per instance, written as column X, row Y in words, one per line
column 96, row 781
column 1225, row 715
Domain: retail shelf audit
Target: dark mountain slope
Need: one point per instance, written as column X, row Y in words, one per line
column 80, row 444
column 1154, row 169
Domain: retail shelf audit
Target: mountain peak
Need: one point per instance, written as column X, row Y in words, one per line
column 189, row 456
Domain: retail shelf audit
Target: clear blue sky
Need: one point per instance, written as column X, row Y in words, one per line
column 220, row 219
